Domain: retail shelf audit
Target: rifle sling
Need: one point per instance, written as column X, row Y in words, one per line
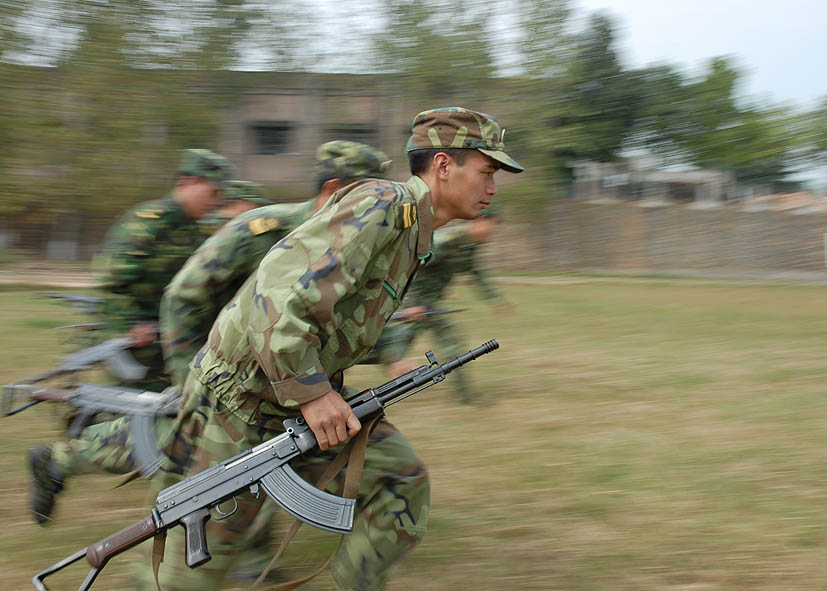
column 134, row 475
column 158, row 546
column 354, row 455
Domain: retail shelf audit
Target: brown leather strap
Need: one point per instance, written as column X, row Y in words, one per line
column 354, row 455
column 134, row 475
column 158, row 545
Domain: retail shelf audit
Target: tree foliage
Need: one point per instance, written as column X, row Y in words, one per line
column 438, row 48
column 700, row 122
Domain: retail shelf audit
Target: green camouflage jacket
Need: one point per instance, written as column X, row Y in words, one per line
column 319, row 299
column 141, row 254
column 212, row 276
column 454, row 254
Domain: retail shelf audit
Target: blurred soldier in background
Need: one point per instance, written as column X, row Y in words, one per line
column 142, row 252
column 147, row 246
column 315, row 307
column 238, row 197
column 456, row 252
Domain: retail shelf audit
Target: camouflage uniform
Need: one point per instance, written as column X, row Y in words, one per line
column 454, row 254
column 315, row 307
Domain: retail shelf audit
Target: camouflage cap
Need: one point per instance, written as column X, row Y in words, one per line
column 246, row 191
column 351, row 161
column 455, row 127
column 205, row 164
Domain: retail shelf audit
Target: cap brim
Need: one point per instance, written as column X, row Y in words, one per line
column 508, row 163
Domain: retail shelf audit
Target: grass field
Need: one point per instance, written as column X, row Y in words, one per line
column 647, row 434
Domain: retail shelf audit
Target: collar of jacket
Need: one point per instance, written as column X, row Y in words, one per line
column 424, row 215
column 176, row 212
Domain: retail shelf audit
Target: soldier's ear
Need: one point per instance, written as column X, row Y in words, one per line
column 440, row 164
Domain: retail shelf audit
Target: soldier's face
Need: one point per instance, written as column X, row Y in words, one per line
column 201, row 197
column 470, row 187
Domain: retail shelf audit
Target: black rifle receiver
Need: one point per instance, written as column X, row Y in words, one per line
column 266, row 466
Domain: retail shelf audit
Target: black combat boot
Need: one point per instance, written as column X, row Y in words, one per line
column 47, row 482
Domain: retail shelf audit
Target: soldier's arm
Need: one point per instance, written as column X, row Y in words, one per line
column 300, row 281
column 189, row 306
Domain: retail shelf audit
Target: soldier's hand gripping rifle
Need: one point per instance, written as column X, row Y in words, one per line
column 265, row 466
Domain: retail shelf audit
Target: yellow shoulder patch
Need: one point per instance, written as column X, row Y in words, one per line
column 151, row 214
column 407, row 215
column 262, row 225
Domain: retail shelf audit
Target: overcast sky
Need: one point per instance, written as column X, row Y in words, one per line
column 780, row 44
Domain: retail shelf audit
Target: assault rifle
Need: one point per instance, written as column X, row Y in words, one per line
column 400, row 315
column 140, row 406
column 265, row 466
column 113, row 354
column 82, row 303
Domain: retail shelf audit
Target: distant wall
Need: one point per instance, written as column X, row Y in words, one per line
column 619, row 237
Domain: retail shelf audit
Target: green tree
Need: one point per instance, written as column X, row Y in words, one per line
column 439, row 49
column 579, row 101
column 601, row 100
column 700, row 122
column 545, row 48
column 812, row 134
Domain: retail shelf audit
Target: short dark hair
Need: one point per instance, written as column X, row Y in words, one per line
column 323, row 177
column 420, row 161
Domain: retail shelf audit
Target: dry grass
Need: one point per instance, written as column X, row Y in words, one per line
column 646, row 435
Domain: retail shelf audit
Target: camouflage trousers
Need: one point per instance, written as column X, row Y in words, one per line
column 107, row 448
column 391, row 505
column 449, row 344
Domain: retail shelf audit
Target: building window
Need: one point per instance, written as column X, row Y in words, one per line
column 356, row 132
column 271, row 138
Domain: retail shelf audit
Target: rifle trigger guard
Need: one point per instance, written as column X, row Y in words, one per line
column 226, row 515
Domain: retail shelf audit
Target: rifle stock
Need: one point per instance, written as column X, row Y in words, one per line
column 99, row 553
